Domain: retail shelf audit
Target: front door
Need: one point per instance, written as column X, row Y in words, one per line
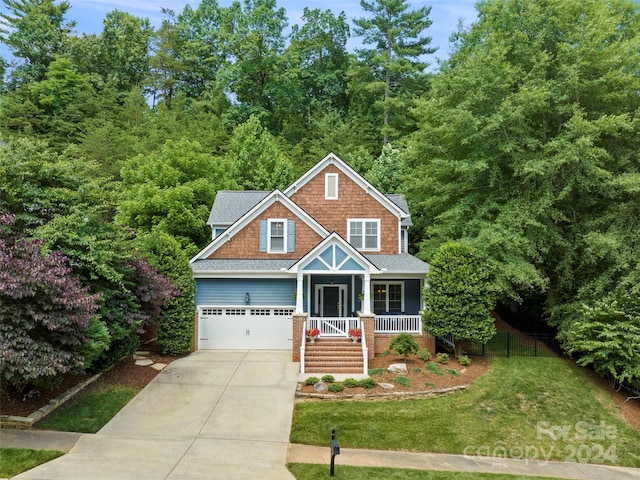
column 331, row 302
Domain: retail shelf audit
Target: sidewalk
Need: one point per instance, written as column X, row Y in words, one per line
column 458, row 463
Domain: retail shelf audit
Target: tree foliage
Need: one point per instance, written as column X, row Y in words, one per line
column 44, row 311
column 459, row 295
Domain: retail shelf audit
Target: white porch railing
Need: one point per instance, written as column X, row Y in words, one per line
column 333, row 326
column 398, row 323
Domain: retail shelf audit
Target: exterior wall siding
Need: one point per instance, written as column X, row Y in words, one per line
column 352, row 202
column 246, row 243
column 232, row 291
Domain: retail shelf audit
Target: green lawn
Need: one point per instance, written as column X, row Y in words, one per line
column 315, row 472
column 544, row 408
column 17, row 460
column 90, row 412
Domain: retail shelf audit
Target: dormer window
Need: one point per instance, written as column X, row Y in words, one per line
column 331, row 186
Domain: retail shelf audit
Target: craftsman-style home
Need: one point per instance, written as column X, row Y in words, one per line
column 329, row 252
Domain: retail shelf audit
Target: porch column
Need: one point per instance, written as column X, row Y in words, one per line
column 366, row 307
column 299, row 293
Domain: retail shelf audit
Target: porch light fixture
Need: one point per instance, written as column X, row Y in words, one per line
column 246, row 298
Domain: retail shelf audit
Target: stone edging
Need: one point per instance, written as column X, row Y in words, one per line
column 382, row 396
column 28, row 422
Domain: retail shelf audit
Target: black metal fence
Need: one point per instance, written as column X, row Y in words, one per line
column 514, row 344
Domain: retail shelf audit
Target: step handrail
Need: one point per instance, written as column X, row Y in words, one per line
column 303, row 345
column 365, row 351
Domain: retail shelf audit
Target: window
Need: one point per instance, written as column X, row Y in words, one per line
column 277, row 235
column 364, row 234
column 387, row 297
column 331, row 186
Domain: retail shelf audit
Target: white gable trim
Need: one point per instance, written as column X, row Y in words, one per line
column 334, row 239
column 333, row 159
column 273, row 197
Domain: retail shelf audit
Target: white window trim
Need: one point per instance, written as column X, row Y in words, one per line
column 386, row 284
column 362, row 221
column 327, row 177
column 284, row 233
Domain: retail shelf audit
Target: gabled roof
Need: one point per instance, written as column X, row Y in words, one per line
column 244, row 220
column 230, row 205
column 328, row 259
column 333, row 159
column 400, row 263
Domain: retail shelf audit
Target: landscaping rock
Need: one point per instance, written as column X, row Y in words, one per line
column 144, row 363
column 159, row 366
column 387, row 386
column 320, row 387
column 397, row 368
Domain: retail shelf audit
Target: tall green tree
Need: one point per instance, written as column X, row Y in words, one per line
column 396, row 33
column 459, row 295
column 528, row 145
column 36, row 31
column 258, row 161
column 172, row 190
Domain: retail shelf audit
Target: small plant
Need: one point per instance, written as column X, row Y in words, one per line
column 386, row 353
column 336, row 387
column 355, row 333
column 404, row 345
column 351, row 383
column 376, row 371
column 328, row 378
column 434, row 368
column 402, row 380
column 424, row 355
column 453, row 371
column 314, row 332
column 417, row 370
column 429, row 385
column 464, row 360
column 443, row 357
column 311, row 381
column 368, row 382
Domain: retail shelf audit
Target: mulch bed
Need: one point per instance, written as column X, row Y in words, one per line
column 417, row 375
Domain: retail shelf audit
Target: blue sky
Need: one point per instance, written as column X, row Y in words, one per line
column 444, row 14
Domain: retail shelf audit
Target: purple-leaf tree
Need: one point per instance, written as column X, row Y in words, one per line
column 44, row 311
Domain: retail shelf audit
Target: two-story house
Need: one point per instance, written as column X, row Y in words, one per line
column 329, row 252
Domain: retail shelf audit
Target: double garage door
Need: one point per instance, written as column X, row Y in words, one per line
column 243, row 328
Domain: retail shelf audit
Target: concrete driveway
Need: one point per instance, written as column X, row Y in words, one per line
column 213, row 414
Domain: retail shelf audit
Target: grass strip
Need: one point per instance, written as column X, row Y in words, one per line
column 90, row 412
column 313, row 472
column 17, row 460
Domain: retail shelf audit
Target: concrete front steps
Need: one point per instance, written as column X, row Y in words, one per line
column 333, row 355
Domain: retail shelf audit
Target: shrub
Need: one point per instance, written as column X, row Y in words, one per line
column 368, row 383
column 328, row 378
column 351, row 383
column 443, row 357
column 434, row 368
column 402, row 380
column 376, row 371
column 464, row 360
column 417, row 370
column 311, row 381
column 336, row 387
column 404, row 345
column 429, row 385
column 424, row 355
column 453, row 371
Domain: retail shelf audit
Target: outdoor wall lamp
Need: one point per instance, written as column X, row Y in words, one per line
column 246, row 298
